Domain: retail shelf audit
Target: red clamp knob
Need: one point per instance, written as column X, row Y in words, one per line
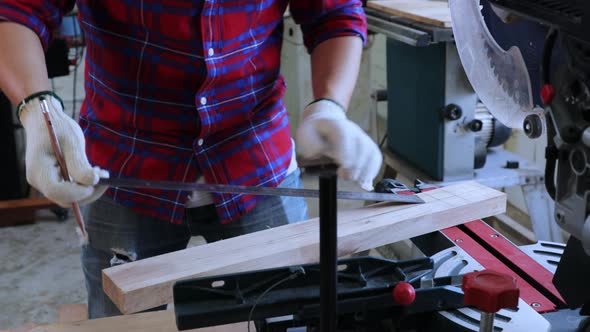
column 404, row 293
column 490, row 291
column 547, row 93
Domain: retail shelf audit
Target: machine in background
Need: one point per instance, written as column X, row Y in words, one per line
column 447, row 133
column 434, row 114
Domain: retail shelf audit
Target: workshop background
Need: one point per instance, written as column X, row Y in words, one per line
column 40, row 265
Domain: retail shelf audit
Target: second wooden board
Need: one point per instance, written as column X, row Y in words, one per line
column 147, row 283
column 431, row 12
column 159, row 321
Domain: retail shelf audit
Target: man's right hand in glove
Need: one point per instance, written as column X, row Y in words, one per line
column 23, row 73
column 43, row 170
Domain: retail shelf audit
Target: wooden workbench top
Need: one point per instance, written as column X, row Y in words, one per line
column 431, row 12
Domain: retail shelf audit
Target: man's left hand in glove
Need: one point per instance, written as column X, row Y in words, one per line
column 325, row 131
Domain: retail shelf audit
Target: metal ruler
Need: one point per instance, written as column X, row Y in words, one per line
column 254, row 190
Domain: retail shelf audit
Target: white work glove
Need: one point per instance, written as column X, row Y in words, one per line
column 43, row 171
column 325, row 131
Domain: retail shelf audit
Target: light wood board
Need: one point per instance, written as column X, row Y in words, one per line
column 147, row 283
column 431, row 12
column 27, row 203
column 159, row 321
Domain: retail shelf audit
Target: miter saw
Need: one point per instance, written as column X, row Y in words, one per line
column 501, row 79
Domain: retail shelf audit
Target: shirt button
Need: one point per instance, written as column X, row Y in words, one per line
column 203, row 100
column 211, row 52
column 200, row 142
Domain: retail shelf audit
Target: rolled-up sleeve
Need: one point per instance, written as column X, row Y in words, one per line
column 41, row 16
column 321, row 20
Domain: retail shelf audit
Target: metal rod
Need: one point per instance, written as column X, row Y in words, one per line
column 62, row 164
column 486, row 324
column 256, row 190
column 328, row 253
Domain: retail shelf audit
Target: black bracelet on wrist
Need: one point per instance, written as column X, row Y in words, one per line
column 36, row 95
column 330, row 100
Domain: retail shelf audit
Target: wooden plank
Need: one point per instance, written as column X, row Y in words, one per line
column 22, row 211
column 158, row 321
column 74, row 312
column 147, row 283
column 27, row 203
column 431, row 12
column 9, row 218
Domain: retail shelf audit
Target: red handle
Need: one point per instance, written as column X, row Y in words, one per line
column 404, row 293
column 490, row 291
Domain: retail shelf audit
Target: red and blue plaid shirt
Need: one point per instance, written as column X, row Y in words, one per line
column 176, row 89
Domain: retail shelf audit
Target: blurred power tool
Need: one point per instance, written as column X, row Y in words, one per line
column 489, row 133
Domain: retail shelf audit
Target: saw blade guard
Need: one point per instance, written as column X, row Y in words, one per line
column 499, row 77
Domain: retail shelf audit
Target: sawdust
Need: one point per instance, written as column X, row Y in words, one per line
column 39, row 271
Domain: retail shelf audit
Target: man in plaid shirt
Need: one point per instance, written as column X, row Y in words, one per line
column 183, row 91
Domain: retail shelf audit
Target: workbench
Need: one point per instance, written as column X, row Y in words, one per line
column 405, row 29
column 424, row 74
column 496, row 175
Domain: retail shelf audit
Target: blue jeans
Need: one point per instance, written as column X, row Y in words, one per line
column 118, row 235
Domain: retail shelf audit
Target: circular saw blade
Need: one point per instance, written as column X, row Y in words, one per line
column 499, row 77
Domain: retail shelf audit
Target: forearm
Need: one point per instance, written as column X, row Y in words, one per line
column 335, row 65
column 22, row 62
